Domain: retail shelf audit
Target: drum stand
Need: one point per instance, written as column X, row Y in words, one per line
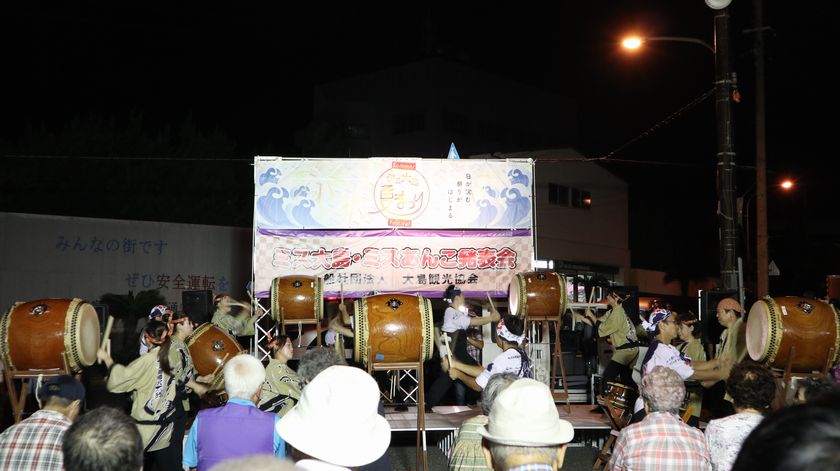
column 556, row 356
column 788, row 374
column 422, row 453
column 18, row 397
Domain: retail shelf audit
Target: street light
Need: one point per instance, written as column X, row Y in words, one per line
column 724, row 84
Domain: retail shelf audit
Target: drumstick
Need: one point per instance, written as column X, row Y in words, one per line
column 221, row 364
column 107, row 334
column 492, row 306
column 341, row 292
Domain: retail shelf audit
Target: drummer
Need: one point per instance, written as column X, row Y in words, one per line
column 693, row 349
column 615, row 325
column 240, row 323
column 456, row 321
column 732, row 349
column 281, row 389
column 159, row 382
column 662, row 328
column 513, row 359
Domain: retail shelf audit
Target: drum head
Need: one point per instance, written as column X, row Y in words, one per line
column 758, row 331
column 513, row 295
column 88, row 334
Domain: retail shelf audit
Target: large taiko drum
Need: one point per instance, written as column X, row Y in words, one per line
column 34, row 334
column 537, row 294
column 208, row 347
column 297, row 298
column 775, row 325
column 392, row 328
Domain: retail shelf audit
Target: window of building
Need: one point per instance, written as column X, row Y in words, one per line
column 562, row 195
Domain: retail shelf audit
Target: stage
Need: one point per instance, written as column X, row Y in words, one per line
column 591, row 429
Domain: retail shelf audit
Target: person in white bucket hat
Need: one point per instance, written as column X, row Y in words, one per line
column 339, row 394
column 525, row 430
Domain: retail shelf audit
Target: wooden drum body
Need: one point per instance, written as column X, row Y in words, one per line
column 775, row 325
column 33, row 335
column 621, row 396
column 537, row 294
column 297, row 298
column 208, row 347
column 392, row 328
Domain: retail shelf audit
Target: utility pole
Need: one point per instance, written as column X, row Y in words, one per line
column 762, row 259
column 728, row 233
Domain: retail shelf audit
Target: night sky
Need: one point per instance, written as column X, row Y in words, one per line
column 241, row 78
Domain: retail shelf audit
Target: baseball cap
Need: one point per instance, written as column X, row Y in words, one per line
column 63, row 386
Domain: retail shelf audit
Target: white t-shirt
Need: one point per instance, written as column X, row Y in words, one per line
column 509, row 361
column 454, row 319
column 669, row 357
column 725, row 437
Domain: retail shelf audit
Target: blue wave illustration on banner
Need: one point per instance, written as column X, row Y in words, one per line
column 280, row 210
column 272, row 175
column 511, row 204
column 518, row 178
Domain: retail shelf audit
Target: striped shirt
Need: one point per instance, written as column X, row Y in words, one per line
column 34, row 443
column 660, row 442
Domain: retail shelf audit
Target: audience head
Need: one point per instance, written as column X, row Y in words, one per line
column 255, row 463
column 338, row 395
column 63, row 394
column 663, row 390
column 752, row 386
column 316, row 360
column 524, row 427
column 496, row 384
column 509, row 331
column 802, row 437
column 812, row 389
column 103, row 439
column 244, row 377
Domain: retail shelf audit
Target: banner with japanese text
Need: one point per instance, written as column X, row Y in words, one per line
column 303, row 193
column 394, row 260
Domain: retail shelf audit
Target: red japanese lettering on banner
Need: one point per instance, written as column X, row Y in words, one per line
column 370, row 257
column 449, row 258
column 469, row 258
column 506, row 258
column 428, row 259
column 409, row 258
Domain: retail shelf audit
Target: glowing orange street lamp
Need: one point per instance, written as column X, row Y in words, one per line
column 786, row 184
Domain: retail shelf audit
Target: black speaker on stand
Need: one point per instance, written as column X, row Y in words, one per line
column 708, row 313
column 198, row 305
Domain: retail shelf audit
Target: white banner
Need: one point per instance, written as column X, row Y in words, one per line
column 392, row 192
column 391, row 260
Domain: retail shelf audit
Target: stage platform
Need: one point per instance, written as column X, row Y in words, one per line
column 591, row 429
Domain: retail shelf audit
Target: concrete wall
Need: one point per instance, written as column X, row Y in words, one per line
column 65, row 257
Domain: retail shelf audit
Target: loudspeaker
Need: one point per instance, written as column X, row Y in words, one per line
column 708, row 313
column 198, row 305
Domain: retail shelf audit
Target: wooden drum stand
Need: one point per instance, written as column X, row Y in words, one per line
column 18, row 396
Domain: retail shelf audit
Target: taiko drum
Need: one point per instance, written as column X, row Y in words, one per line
column 297, row 298
column 776, row 325
column 537, row 294
column 393, row 328
column 208, row 347
column 35, row 334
